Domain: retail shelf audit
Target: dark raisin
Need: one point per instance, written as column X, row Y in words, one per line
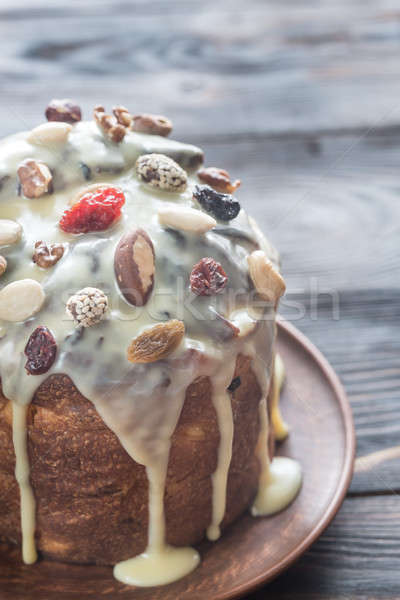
column 207, row 278
column 86, row 171
column 221, row 206
column 235, row 383
column 40, row 351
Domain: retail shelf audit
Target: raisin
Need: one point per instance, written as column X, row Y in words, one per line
column 40, row 351
column 235, row 383
column 221, row 206
column 96, row 211
column 207, row 278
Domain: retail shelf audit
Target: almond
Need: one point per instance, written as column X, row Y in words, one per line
column 10, row 232
column 185, row 218
column 134, row 266
column 157, row 342
column 53, row 132
column 20, row 300
column 268, row 282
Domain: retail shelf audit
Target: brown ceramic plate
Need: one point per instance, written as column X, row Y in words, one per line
column 252, row 551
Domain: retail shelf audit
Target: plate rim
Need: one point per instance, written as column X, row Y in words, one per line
column 345, row 477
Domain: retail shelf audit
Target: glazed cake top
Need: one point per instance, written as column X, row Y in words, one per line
column 63, row 161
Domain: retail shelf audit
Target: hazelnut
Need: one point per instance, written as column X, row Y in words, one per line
column 64, row 110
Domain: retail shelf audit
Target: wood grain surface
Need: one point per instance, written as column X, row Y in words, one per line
column 300, row 99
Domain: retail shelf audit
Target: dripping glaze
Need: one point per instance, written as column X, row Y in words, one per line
column 143, row 424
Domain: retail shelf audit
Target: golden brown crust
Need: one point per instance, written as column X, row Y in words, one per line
column 92, row 497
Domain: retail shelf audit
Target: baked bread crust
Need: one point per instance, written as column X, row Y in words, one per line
column 92, row 498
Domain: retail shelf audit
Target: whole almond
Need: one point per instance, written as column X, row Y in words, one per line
column 185, row 218
column 134, row 266
column 20, row 300
column 53, row 132
column 10, row 232
column 219, row 179
column 268, row 282
column 157, row 342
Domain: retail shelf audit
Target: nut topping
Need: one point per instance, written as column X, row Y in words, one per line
column 46, row 256
column 161, row 172
column 207, row 278
column 88, row 306
column 134, row 266
column 185, row 218
column 10, row 232
column 219, row 179
column 20, row 300
column 3, row 265
column 109, row 125
column 35, row 178
column 268, row 282
column 40, row 351
column 49, row 133
column 65, row 110
column 157, row 342
column 152, row 124
column 123, row 116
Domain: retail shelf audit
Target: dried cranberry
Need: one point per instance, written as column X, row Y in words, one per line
column 207, row 278
column 40, row 351
column 96, row 211
column 221, row 206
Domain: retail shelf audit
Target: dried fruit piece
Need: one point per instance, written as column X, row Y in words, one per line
column 219, row 179
column 235, row 383
column 123, row 116
column 157, row 342
column 45, row 255
column 20, row 300
column 109, row 125
column 134, row 266
column 65, row 110
column 3, row 265
column 95, row 211
column 221, row 206
column 185, row 218
column 268, row 282
column 35, row 177
column 10, row 232
column 152, row 124
column 161, row 172
column 88, row 306
column 40, row 351
column 49, row 134
column 207, row 277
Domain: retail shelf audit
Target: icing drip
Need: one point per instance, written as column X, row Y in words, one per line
column 223, row 407
column 280, row 480
column 280, row 427
column 27, row 499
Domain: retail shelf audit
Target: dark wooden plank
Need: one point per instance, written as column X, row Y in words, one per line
column 213, row 67
column 356, row 559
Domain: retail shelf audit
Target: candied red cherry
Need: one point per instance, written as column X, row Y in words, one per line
column 95, row 211
column 207, row 278
column 40, row 351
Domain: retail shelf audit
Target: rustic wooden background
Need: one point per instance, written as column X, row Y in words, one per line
column 301, row 100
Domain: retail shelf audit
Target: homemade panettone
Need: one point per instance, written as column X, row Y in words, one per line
column 137, row 328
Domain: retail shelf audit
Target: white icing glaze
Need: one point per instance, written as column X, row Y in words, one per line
column 28, row 505
column 281, row 429
column 282, row 487
column 128, row 396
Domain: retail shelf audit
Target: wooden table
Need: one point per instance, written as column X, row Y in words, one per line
column 301, row 100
